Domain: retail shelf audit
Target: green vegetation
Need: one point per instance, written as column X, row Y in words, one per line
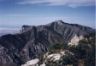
column 57, row 47
column 81, row 55
column 85, row 50
column 84, row 53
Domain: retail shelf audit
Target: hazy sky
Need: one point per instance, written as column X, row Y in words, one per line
column 14, row 13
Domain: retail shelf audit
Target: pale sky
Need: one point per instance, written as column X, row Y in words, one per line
column 15, row 13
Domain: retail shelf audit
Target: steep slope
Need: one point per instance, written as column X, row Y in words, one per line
column 34, row 41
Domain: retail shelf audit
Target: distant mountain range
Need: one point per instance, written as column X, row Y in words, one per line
column 8, row 31
column 33, row 41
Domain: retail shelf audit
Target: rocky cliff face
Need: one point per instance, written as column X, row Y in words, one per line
column 34, row 41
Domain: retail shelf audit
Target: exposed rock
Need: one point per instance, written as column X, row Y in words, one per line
column 33, row 62
column 75, row 40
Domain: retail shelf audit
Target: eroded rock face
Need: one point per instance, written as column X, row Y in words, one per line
column 33, row 62
column 33, row 41
column 74, row 41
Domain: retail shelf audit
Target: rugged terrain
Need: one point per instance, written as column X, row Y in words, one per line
column 35, row 41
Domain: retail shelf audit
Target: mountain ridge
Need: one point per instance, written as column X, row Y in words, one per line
column 33, row 41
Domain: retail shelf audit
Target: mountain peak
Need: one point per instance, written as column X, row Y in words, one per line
column 59, row 22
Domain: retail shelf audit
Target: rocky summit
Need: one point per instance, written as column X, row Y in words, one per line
column 34, row 41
